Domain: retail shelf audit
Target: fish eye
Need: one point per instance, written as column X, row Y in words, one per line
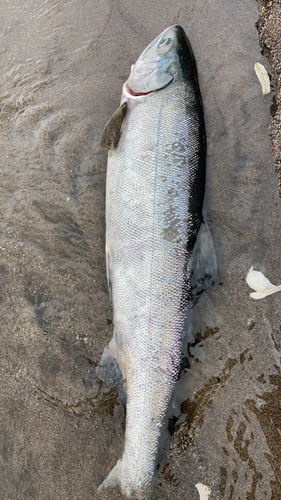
column 165, row 41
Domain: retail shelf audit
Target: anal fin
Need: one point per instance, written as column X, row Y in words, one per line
column 110, row 371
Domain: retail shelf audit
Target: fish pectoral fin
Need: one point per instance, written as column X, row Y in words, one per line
column 113, row 478
column 204, row 260
column 111, row 133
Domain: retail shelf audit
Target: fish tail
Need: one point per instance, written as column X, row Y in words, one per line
column 113, row 478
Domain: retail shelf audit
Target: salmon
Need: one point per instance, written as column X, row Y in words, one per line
column 154, row 197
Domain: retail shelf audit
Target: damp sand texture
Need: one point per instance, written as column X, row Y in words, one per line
column 62, row 69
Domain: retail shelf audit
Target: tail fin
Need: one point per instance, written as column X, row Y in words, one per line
column 257, row 281
column 113, row 478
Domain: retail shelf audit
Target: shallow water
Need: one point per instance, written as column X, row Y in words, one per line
column 62, row 69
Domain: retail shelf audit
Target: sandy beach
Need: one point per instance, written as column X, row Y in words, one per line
column 62, row 67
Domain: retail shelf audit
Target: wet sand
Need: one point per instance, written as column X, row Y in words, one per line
column 268, row 27
column 62, row 66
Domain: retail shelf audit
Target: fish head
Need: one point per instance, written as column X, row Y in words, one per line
column 167, row 58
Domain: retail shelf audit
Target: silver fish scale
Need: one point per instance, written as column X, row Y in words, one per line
column 148, row 224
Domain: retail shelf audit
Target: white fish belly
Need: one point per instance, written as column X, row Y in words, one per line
column 147, row 229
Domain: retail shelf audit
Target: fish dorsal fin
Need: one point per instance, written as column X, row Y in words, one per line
column 112, row 129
